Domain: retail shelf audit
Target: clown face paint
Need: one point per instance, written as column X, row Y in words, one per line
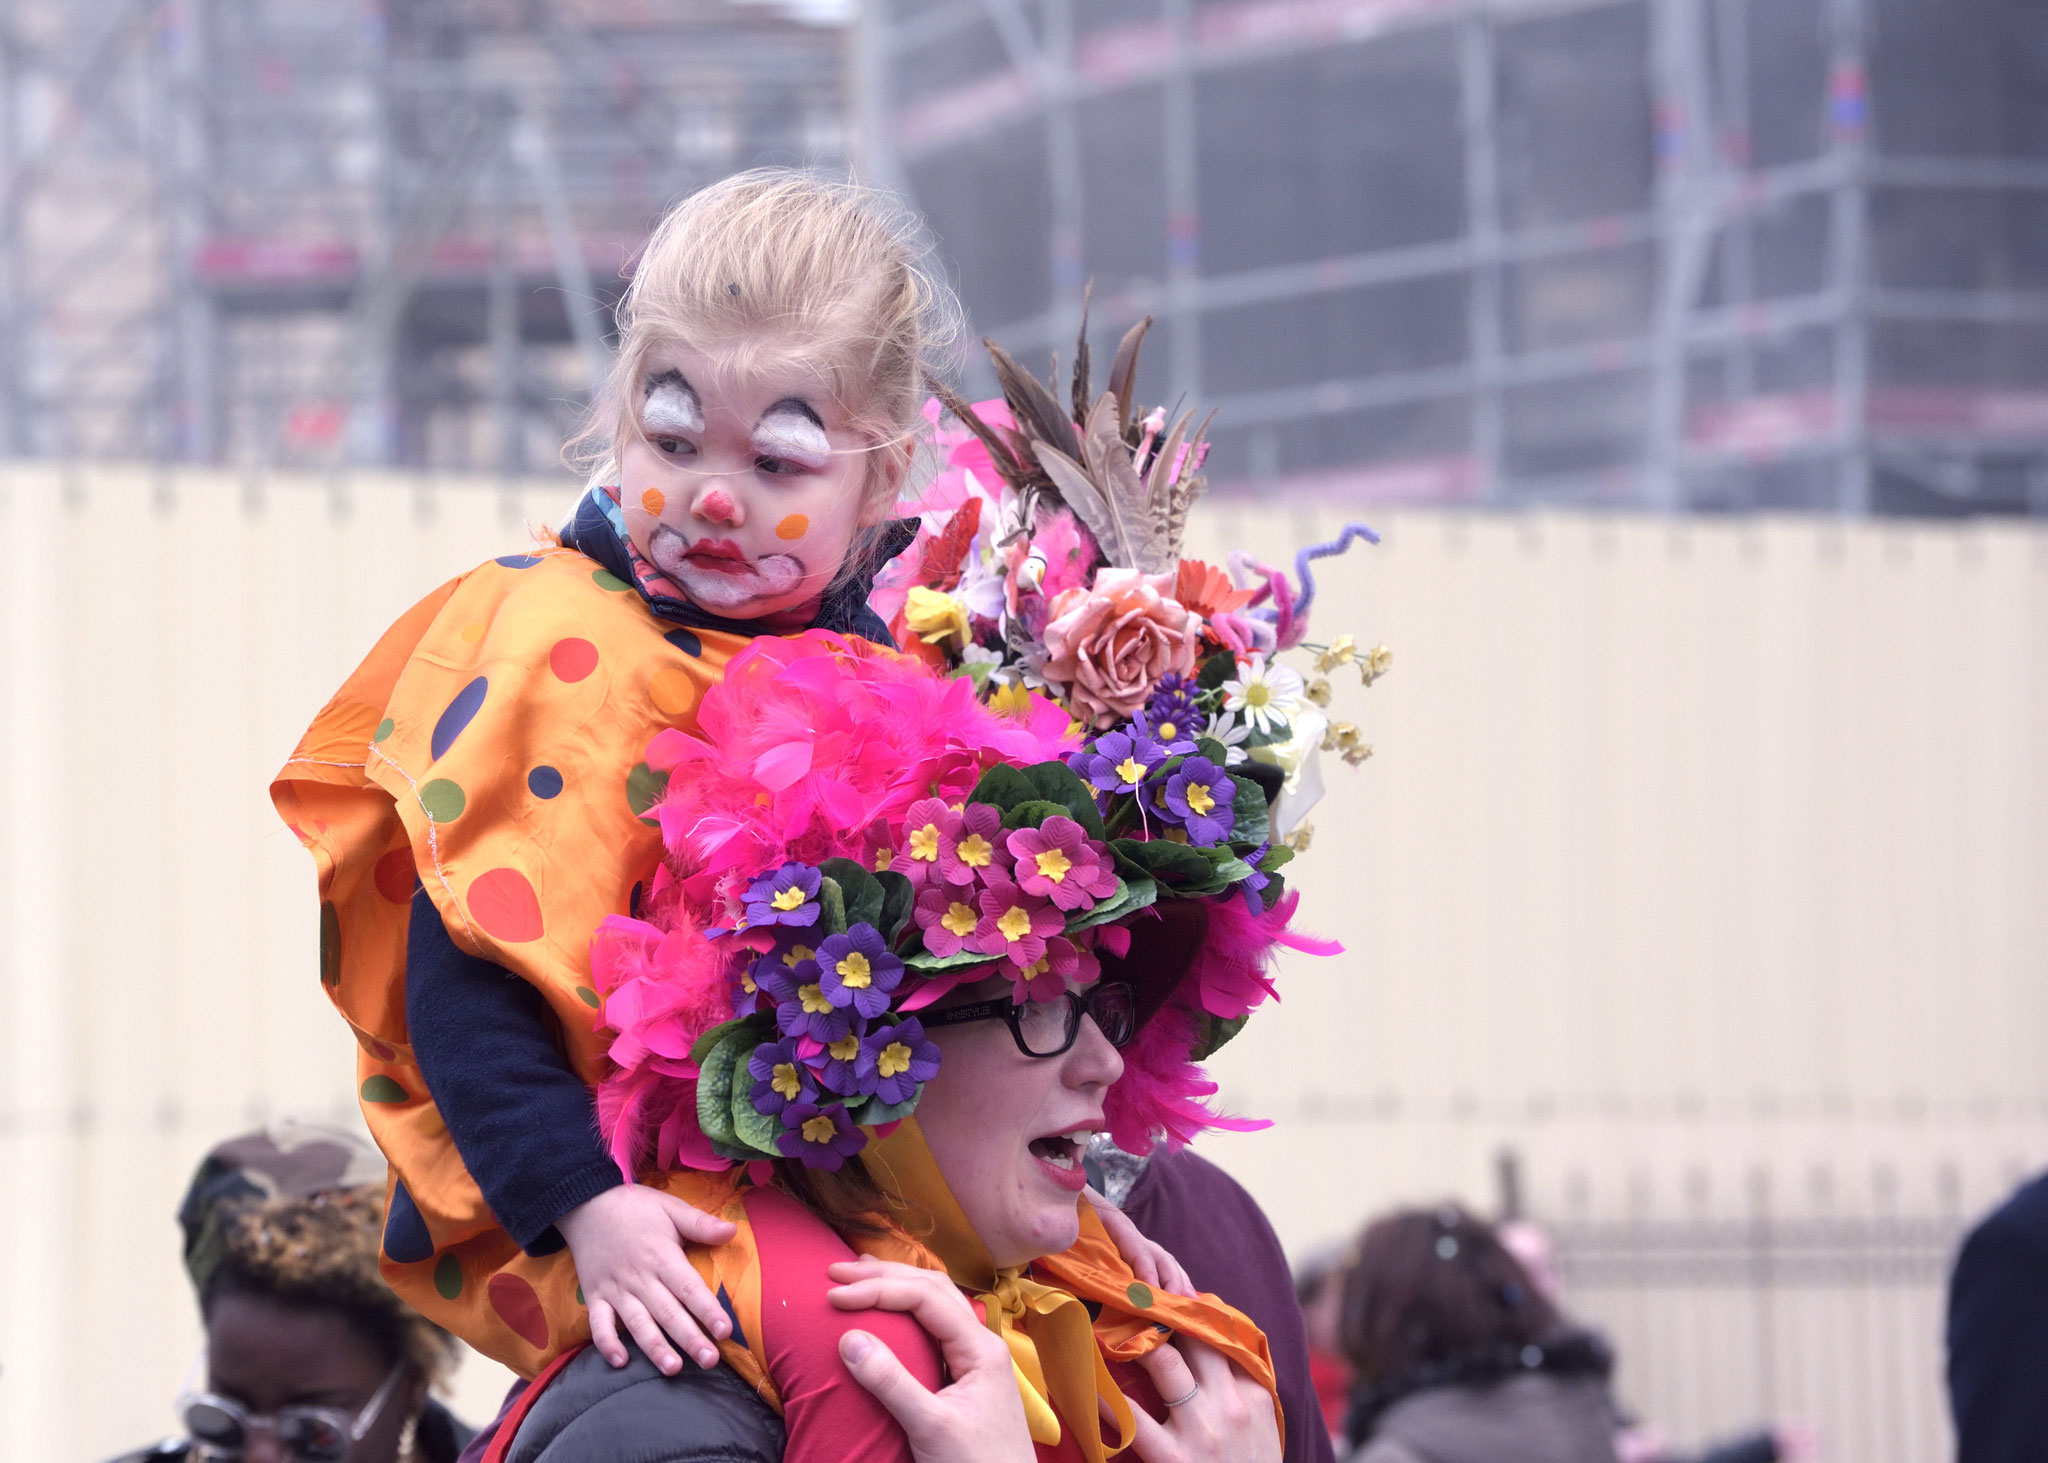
column 746, row 489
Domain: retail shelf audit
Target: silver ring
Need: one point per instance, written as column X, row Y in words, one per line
column 1187, row 1397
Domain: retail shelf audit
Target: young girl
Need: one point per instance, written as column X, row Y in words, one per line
column 473, row 795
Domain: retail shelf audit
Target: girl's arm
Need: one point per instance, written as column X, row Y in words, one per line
column 526, row 1129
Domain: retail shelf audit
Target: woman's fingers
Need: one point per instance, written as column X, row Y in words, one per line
column 876, row 1368
column 604, row 1333
column 647, row 1336
column 1173, row 1378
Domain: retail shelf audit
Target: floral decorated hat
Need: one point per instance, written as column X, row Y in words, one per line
column 1093, row 766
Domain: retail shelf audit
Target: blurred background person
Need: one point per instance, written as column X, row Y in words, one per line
column 1998, row 1333
column 309, row 1356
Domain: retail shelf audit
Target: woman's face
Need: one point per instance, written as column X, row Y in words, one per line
column 745, row 488
column 1007, row 1129
column 266, row 1355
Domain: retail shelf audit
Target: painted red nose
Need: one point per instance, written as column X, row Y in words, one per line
column 717, row 505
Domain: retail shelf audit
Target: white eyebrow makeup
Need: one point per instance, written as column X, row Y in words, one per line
column 671, row 405
column 790, row 430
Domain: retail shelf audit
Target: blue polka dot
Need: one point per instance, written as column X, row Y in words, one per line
column 519, row 561
column 405, row 1232
column 458, row 715
column 686, row 641
column 543, row 782
column 633, row 900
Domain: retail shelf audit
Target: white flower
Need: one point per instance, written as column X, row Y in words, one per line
column 1224, row 728
column 1266, row 694
column 977, row 654
column 1299, row 756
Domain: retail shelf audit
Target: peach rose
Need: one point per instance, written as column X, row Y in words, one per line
column 1109, row 645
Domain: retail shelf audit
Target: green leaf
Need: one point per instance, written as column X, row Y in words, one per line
column 1175, row 865
column 1254, row 823
column 1032, row 812
column 874, row 1111
column 1215, row 1031
column 754, row 1128
column 714, row 1086
column 1230, row 869
column 831, row 908
column 1217, row 669
column 1002, row 786
column 1274, row 857
column 1131, row 896
column 1058, row 783
column 701, row 1047
column 858, row 889
column 898, row 897
column 926, row 963
column 1214, row 750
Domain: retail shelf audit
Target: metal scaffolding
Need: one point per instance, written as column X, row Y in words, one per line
column 318, row 231
column 1664, row 253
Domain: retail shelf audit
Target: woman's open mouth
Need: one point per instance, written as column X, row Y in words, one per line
column 1059, row 1154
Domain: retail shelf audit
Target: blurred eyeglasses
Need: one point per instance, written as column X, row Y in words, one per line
column 220, row 1427
column 1050, row 1028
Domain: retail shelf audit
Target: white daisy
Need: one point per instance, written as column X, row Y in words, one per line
column 1266, row 694
column 1225, row 728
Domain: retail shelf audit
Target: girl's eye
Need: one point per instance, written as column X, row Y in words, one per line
column 776, row 466
column 674, row 446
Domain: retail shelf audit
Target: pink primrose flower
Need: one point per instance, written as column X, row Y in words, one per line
column 1014, row 924
column 947, row 916
column 973, row 854
column 1058, row 861
column 929, row 826
column 1064, row 966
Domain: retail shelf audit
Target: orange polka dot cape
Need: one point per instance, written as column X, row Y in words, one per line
column 489, row 749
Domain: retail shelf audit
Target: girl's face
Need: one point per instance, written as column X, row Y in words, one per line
column 1006, row 1131
column 746, row 490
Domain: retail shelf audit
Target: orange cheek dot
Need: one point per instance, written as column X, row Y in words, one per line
column 794, row 526
column 653, row 501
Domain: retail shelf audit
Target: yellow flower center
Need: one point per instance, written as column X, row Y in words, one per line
column 818, row 1129
column 796, row 955
column 1053, row 863
column 975, row 851
column 960, row 919
column 1168, row 732
column 788, row 898
column 846, row 1048
column 1038, row 967
column 1130, row 771
column 895, row 1058
column 747, row 982
column 1200, row 799
column 884, row 856
column 1015, row 923
column 813, row 997
column 1176, row 835
column 924, row 843
column 1258, row 693
column 785, row 1080
column 854, row 971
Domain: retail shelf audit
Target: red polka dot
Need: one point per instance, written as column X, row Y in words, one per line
column 394, row 876
column 572, row 659
column 505, row 907
column 518, row 1307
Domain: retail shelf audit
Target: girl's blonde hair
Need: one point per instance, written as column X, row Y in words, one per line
column 782, row 264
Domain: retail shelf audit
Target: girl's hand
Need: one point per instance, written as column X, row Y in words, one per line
column 1149, row 1261
column 979, row 1417
column 628, row 1246
column 1218, row 1414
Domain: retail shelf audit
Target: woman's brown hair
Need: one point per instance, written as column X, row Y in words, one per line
column 1430, row 1286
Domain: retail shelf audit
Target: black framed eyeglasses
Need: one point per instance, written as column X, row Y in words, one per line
column 1050, row 1028
column 220, row 1426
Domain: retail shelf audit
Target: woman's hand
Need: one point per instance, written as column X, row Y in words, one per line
column 979, row 1417
column 628, row 1246
column 1149, row 1261
column 1215, row 1413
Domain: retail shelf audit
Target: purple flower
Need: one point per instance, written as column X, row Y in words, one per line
column 789, row 896
column 780, row 1076
column 1118, row 761
column 899, row 1059
column 839, row 1068
column 1198, row 796
column 778, row 973
column 1058, row 861
column 1175, row 735
column 808, row 1011
column 821, row 1137
column 1174, row 703
column 1255, row 886
column 857, row 970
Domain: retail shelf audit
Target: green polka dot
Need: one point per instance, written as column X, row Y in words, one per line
column 384, row 729
column 579, row 1296
column 605, row 579
column 381, row 1088
column 448, row 1276
column 644, row 787
column 1139, row 1294
column 443, row 800
column 330, row 944
column 587, row 996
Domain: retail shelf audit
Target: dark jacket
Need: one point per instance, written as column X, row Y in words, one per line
column 1998, row 1333
column 592, row 1413
column 1536, row 1417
